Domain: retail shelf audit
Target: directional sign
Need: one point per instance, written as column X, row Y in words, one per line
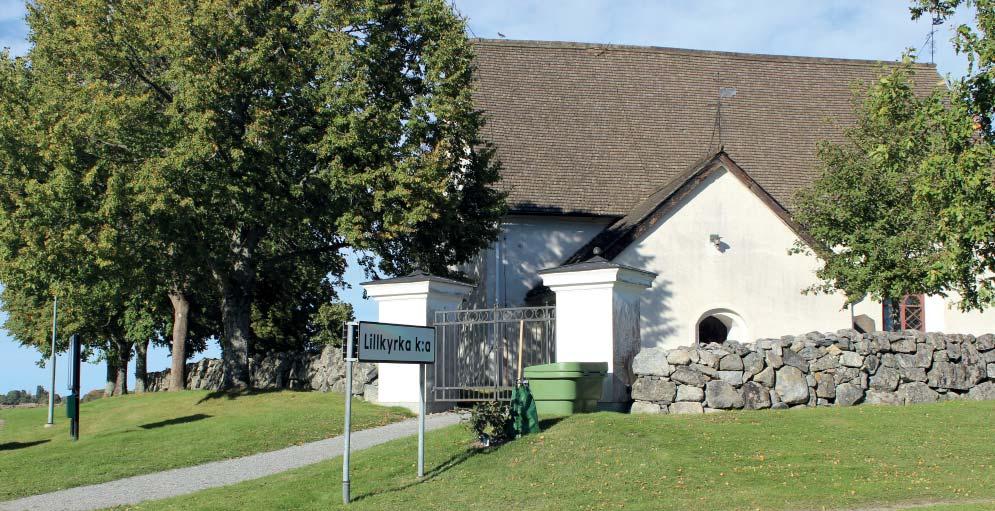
column 390, row 342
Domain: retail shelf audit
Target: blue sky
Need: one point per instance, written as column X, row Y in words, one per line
column 859, row 29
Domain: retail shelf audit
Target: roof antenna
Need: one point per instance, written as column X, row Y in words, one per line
column 724, row 93
column 937, row 20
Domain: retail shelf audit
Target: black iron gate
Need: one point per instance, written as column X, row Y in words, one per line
column 478, row 350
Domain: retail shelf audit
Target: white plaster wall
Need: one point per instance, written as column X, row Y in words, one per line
column 527, row 244
column 957, row 322
column 754, row 277
column 413, row 303
column 398, row 383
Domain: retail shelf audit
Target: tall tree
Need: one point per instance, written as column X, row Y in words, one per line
column 264, row 132
column 64, row 215
column 907, row 203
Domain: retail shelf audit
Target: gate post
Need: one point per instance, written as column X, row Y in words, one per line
column 411, row 300
column 597, row 319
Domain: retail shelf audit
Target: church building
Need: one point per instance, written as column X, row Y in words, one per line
column 682, row 163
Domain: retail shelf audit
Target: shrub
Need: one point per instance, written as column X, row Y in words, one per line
column 491, row 421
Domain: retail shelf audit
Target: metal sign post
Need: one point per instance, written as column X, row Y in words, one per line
column 72, row 402
column 396, row 344
column 349, row 359
column 421, row 421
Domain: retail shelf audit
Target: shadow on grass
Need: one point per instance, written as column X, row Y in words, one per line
column 433, row 473
column 454, row 461
column 545, row 424
column 13, row 446
column 178, row 420
column 237, row 393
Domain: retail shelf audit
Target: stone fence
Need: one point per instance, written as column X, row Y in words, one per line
column 298, row 371
column 815, row 369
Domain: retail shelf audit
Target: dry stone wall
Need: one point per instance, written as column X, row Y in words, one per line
column 816, row 369
column 298, row 371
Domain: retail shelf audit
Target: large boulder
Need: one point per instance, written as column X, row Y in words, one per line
column 774, row 358
column 734, row 378
column 753, row 363
column 851, row 359
column 645, row 407
column 688, row 377
column 721, row 395
column 790, row 384
column 690, row 393
column 684, row 407
column 731, row 362
column 916, row 392
column 985, row 342
column 983, row 392
column 652, row 389
column 708, row 359
column 652, row 362
column 795, row 360
column 682, row 356
column 949, row 375
column 825, row 385
column 886, row 379
column 924, row 356
column 825, row 363
column 881, row 397
column 765, row 377
column 911, row 374
column 755, row 396
column 846, row 374
column 848, row 394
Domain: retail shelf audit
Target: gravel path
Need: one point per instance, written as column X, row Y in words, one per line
column 182, row 481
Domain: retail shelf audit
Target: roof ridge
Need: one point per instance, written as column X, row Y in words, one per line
column 531, row 43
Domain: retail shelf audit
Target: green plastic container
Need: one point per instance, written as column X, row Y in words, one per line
column 566, row 388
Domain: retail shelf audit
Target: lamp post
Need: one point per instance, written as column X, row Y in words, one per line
column 51, row 389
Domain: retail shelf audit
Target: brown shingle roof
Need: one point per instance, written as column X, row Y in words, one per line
column 595, row 129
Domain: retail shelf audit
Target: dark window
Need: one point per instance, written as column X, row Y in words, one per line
column 905, row 314
column 712, row 330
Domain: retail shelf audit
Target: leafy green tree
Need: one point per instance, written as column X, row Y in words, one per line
column 906, row 203
column 257, row 132
column 66, row 216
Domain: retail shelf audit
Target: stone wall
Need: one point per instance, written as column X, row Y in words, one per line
column 815, row 369
column 298, row 371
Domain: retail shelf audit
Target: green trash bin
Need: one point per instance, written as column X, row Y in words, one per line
column 565, row 388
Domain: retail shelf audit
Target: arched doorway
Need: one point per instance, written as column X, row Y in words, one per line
column 711, row 329
column 721, row 325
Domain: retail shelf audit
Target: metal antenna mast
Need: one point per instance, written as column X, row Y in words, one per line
column 937, row 20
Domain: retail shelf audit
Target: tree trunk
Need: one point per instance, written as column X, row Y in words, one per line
column 181, row 313
column 237, row 289
column 123, row 356
column 111, row 375
column 141, row 365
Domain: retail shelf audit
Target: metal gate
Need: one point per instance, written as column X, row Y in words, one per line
column 478, row 350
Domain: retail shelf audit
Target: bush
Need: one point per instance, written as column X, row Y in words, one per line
column 491, row 421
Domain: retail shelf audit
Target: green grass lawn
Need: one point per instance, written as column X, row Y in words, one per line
column 799, row 459
column 138, row 434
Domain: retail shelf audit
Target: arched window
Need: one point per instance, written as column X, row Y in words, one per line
column 721, row 325
column 905, row 314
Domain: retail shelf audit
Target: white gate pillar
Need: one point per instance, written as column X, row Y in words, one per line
column 597, row 319
column 410, row 300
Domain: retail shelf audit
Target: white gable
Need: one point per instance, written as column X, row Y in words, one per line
column 751, row 280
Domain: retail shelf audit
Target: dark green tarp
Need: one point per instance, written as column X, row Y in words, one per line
column 524, row 418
